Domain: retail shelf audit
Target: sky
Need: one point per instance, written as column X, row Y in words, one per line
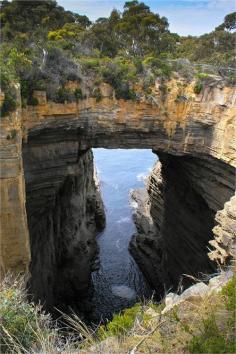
column 186, row 17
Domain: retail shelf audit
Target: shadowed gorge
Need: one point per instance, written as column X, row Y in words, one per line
column 175, row 219
column 63, row 202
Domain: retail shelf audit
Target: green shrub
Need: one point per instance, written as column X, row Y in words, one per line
column 158, row 66
column 63, row 95
column 117, row 75
column 202, row 76
column 229, row 294
column 20, row 320
column 121, row 323
column 78, row 94
column 198, row 87
column 211, row 340
column 90, row 63
column 215, row 338
column 9, row 104
column 138, row 65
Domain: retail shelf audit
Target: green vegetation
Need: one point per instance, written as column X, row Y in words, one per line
column 20, row 320
column 121, row 323
column 43, row 47
column 78, row 94
column 215, row 336
column 198, row 87
column 196, row 325
column 7, row 82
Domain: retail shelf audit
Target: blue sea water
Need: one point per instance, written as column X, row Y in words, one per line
column 119, row 283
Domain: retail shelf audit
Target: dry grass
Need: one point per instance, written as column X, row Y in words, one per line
column 197, row 325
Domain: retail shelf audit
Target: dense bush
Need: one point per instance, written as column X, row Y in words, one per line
column 63, row 94
column 121, row 323
column 119, row 74
column 158, row 66
column 127, row 46
column 9, row 104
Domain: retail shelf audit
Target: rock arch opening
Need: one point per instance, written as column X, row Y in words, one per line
column 65, row 213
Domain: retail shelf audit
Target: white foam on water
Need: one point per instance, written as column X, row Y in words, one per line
column 118, row 244
column 123, row 291
column 141, row 177
column 134, row 204
column 124, row 219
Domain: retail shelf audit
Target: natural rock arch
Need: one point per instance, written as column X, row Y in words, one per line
column 58, row 168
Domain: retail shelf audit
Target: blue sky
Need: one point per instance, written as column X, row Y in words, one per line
column 193, row 17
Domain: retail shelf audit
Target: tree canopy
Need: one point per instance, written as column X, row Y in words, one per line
column 44, row 46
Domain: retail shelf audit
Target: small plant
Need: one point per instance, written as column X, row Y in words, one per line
column 121, row 323
column 20, row 320
column 211, row 340
column 63, row 95
column 198, row 87
column 213, row 337
column 90, row 63
column 138, row 65
column 202, row 76
column 159, row 67
column 78, row 94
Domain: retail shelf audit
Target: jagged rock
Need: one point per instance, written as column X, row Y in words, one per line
column 184, row 196
column 197, row 291
column 225, row 233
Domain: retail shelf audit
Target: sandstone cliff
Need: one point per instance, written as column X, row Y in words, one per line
column 65, row 212
column 194, row 135
column 183, row 197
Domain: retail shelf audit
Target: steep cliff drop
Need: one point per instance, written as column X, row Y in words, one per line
column 175, row 218
column 65, row 212
column 194, row 137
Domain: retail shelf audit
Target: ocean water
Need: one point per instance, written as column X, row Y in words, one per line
column 119, row 283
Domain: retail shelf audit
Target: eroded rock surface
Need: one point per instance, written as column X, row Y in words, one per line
column 195, row 139
column 65, row 212
column 184, row 194
column 224, row 243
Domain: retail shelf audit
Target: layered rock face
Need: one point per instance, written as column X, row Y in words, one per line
column 65, row 212
column 14, row 234
column 184, row 194
column 194, row 135
column 224, row 242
